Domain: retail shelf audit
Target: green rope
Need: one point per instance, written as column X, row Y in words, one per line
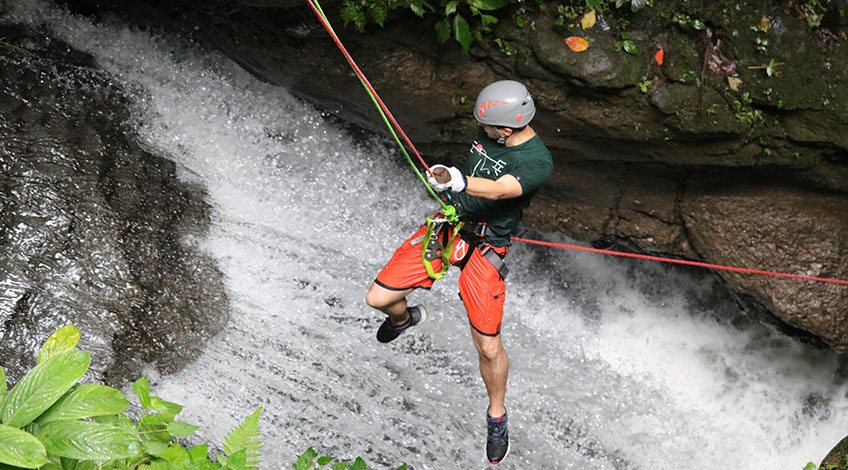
column 386, row 121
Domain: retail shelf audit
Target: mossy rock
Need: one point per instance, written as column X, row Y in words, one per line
column 600, row 66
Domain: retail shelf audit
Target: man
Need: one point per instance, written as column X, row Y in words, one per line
column 508, row 164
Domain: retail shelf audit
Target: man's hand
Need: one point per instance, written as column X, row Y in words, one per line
column 443, row 178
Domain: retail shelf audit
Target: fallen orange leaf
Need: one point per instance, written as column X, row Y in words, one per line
column 576, row 43
column 659, row 57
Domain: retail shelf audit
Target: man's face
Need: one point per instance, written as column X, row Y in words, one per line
column 493, row 132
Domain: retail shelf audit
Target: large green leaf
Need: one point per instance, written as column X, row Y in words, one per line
column 181, row 429
column 73, row 464
column 42, row 386
column 167, row 408
column 63, row 340
column 20, row 448
column 86, row 401
column 153, row 430
column 87, row 440
column 238, row 461
column 246, row 437
column 141, row 388
column 489, row 4
column 198, row 453
column 462, row 32
column 443, row 30
column 2, row 386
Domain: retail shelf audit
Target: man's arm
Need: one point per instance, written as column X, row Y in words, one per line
column 505, row 187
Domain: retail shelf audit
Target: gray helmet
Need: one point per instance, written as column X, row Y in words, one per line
column 505, row 103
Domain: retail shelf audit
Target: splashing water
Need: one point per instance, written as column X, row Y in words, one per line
column 616, row 364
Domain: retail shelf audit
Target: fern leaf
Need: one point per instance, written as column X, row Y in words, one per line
column 246, row 437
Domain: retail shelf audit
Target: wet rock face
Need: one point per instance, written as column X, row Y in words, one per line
column 631, row 139
column 776, row 227
column 92, row 224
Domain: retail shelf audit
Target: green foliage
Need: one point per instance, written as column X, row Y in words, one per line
column 63, row 340
column 688, row 23
column 812, row 12
column 635, row 5
column 42, row 386
column 86, row 401
column 310, row 460
column 771, row 68
column 626, row 43
column 506, row 46
column 72, row 426
column 2, row 386
column 762, row 44
column 644, row 84
column 468, row 21
column 245, row 438
column 86, row 440
column 745, row 113
column 20, row 448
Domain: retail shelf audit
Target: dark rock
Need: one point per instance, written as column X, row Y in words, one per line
column 91, row 223
column 777, row 227
column 837, row 459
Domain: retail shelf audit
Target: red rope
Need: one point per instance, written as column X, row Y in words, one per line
column 365, row 81
column 679, row 261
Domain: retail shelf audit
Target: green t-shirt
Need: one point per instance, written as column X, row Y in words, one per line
column 530, row 163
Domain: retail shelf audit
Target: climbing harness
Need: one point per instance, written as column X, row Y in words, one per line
column 434, row 249
column 497, row 261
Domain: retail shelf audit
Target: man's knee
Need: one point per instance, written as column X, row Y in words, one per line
column 490, row 348
column 379, row 297
column 374, row 298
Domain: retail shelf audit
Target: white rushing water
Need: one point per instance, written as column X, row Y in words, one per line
column 616, row 364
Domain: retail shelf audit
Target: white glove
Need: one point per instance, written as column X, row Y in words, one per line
column 456, row 183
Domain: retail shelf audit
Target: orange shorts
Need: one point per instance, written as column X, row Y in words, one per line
column 481, row 287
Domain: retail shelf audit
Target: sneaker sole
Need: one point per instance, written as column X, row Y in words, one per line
column 423, row 314
column 493, row 462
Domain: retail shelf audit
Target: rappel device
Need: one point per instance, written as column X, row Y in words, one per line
column 432, row 248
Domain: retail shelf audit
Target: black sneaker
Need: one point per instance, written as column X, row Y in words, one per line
column 497, row 442
column 389, row 332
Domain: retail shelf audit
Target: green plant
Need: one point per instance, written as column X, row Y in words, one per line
column 812, row 12
column 644, row 84
column 567, row 13
column 688, row 23
column 310, row 460
column 467, row 21
column 761, row 44
column 745, row 113
column 464, row 33
column 772, row 68
column 50, row 421
column 635, row 5
column 507, row 47
column 626, row 43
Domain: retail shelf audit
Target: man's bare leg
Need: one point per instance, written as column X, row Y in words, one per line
column 494, row 368
column 391, row 302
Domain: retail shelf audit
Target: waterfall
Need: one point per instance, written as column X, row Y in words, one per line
column 616, row 364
